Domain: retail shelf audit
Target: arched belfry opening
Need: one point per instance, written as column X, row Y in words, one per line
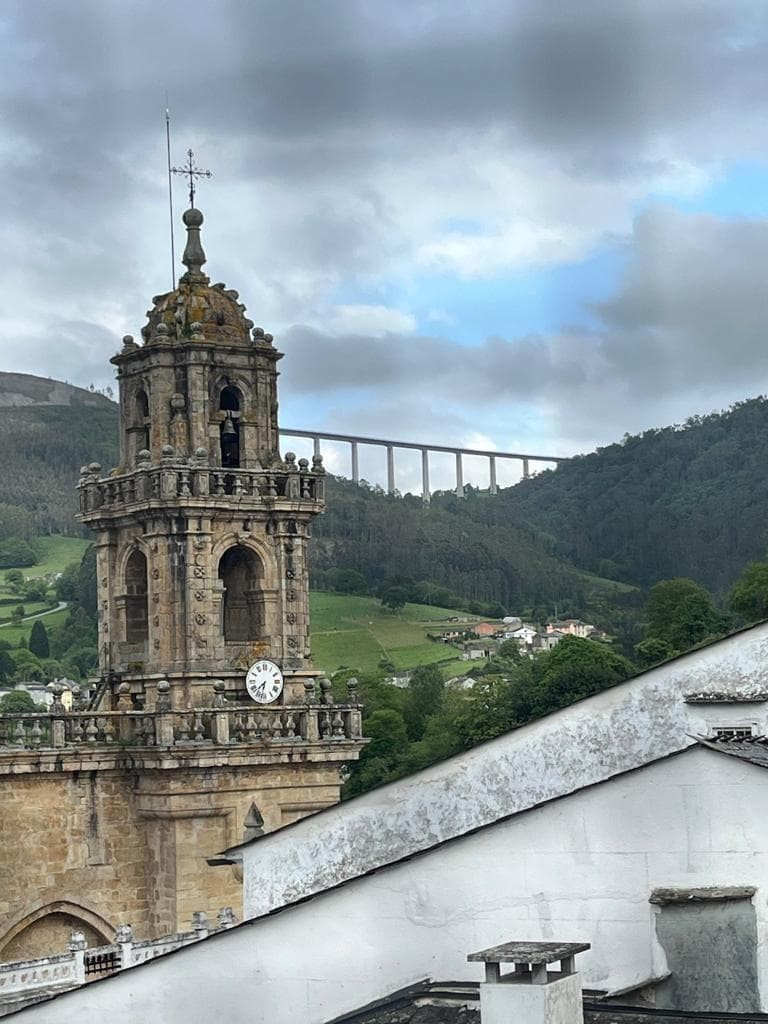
column 229, row 429
column 136, row 607
column 138, row 424
column 242, row 574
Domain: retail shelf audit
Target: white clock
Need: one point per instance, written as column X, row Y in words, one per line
column 264, row 682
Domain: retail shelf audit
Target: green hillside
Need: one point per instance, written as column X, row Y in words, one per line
column 357, row 632
column 687, row 500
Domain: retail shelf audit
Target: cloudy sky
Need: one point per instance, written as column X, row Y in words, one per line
column 509, row 224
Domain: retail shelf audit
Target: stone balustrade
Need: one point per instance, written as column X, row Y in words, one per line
column 291, row 481
column 220, row 726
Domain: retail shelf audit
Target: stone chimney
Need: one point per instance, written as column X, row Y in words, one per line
column 531, row 993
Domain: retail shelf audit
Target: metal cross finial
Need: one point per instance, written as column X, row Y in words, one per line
column 192, row 172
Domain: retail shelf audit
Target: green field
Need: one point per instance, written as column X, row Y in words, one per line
column 358, row 632
column 55, row 554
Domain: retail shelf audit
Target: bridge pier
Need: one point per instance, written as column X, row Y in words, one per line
column 355, row 462
column 390, row 469
column 459, row 476
column 425, row 475
column 492, row 471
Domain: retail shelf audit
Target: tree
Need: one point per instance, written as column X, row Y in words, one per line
column 394, row 597
column 388, row 743
column 18, row 613
column 17, row 702
column 35, row 590
column 573, row 670
column 749, row 595
column 38, row 640
column 681, row 612
column 67, row 583
column 652, row 651
column 14, row 579
column 424, row 697
column 7, row 666
column 15, row 552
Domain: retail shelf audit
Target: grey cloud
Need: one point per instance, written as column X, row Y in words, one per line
column 684, row 333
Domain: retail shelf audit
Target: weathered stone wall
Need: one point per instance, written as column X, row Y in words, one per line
column 97, row 848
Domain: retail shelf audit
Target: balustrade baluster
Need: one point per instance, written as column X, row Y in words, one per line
column 109, row 730
column 251, row 732
column 239, row 729
column 325, row 725
column 91, row 731
column 198, row 732
column 183, row 736
column 338, row 725
column 265, row 726
column 218, row 483
column 290, row 724
column 20, row 734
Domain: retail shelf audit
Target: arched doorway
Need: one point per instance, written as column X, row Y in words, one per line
column 242, row 573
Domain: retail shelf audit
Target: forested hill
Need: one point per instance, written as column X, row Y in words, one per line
column 471, row 547
column 689, row 500
column 48, row 429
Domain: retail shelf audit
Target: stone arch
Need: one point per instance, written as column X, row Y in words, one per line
column 230, row 407
column 241, row 571
column 45, row 930
column 135, row 576
column 138, row 421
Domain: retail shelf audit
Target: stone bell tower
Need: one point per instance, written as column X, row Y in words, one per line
column 202, row 531
column 112, row 808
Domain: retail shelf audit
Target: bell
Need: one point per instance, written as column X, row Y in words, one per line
column 228, row 429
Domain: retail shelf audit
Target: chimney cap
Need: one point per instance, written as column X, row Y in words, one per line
column 528, row 952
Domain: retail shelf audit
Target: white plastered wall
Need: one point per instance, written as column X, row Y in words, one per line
column 579, row 868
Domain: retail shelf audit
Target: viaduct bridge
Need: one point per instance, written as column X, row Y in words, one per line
column 354, row 441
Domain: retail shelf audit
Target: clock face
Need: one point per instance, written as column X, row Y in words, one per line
column 264, row 682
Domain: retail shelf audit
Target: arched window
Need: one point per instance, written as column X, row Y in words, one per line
column 229, row 430
column 241, row 572
column 136, row 610
column 142, row 418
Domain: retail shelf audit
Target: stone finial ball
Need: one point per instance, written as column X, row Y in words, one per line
column 192, row 218
column 144, row 455
column 258, row 332
column 162, row 328
column 201, row 453
column 168, row 449
column 163, row 686
column 178, row 401
column 268, row 338
column 94, row 467
column 290, row 456
column 128, row 340
column 304, row 463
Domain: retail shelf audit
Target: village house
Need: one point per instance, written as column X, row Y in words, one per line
column 571, row 627
column 634, row 822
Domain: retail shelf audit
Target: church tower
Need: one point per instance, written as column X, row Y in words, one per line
column 202, row 531
column 209, row 721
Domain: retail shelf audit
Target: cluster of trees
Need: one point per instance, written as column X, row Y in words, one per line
column 414, row 727
column 396, row 591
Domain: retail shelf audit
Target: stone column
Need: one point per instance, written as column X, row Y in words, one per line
column 316, row 445
column 355, row 462
column 492, row 468
column 425, row 476
column 459, row 476
column 526, row 470
column 390, row 469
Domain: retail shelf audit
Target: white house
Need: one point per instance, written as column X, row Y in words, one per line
column 635, row 820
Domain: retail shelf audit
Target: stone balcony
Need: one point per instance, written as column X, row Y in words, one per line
column 221, row 727
column 175, row 481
